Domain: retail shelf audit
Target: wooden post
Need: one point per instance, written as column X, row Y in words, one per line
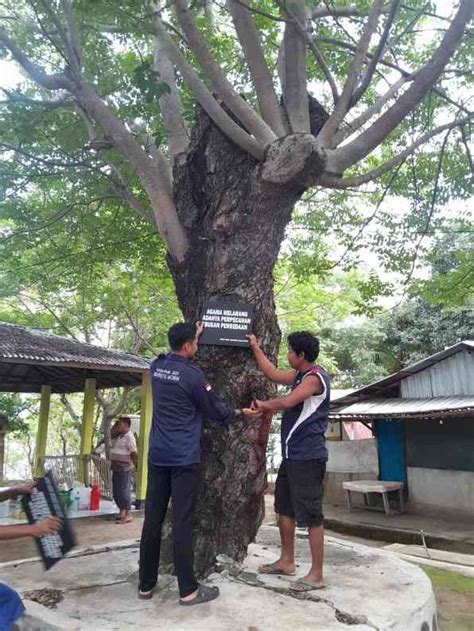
column 87, row 428
column 145, row 424
column 42, row 433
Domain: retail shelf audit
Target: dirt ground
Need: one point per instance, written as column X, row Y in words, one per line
column 454, row 594
column 89, row 532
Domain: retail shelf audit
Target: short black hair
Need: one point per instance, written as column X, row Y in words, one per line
column 304, row 342
column 179, row 334
column 126, row 419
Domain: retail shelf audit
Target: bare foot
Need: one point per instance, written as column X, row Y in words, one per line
column 125, row 520
column 307, row 583
column 278, row 567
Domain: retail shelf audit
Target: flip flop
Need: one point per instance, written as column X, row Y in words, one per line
column 146, row 595
column 205, row 594
column 272, row 568
column 301, row 586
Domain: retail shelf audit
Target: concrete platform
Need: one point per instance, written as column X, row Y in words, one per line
column 366, row 589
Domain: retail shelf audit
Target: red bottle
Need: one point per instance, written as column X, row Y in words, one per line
column 95, row 497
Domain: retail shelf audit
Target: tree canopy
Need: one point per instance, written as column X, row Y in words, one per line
column 107, row 102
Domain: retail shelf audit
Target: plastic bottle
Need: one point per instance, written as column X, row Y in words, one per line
column 95, row 497
column 85, row 495
column 76, row 499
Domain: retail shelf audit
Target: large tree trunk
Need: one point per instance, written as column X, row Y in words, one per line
column 235, row 222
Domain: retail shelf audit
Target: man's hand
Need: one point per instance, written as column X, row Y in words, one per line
column 253, row 342
column 199, row 329
column 47, row 526
column 261, row 406
column 24, row 489
column 251, row 412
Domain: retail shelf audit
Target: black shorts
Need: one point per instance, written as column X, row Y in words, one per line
column 299, row 491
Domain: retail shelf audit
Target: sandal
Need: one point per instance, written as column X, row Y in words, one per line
column 301, row 586
column 272, row 568
column 145, row 595
column 205, row 594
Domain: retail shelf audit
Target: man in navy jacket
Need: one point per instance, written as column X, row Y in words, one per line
column 181, row 397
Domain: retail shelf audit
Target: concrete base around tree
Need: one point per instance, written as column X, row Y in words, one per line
column 366, row 589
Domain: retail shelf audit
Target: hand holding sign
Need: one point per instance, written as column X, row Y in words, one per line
column 47, row 526
column 199, row 329
column 254, row 343
column 226, row 323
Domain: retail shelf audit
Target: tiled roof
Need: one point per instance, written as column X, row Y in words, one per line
column 61, row 357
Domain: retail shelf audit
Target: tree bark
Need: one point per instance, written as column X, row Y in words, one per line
column 2, row 453
column 235, row 220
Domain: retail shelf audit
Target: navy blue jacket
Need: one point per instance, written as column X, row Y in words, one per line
column 303, row 426
column 181, row 397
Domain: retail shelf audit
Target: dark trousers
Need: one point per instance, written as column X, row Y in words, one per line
column 122, row 489
column 181, row 484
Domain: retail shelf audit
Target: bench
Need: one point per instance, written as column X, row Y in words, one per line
column 374, row 486
column 361, row 457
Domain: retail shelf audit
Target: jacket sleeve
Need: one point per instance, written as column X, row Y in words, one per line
column 209, row 404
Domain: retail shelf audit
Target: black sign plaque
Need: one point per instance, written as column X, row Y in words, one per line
column 226, row 323
column 44, row 502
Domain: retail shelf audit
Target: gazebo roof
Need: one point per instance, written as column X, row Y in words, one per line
column 30, row 358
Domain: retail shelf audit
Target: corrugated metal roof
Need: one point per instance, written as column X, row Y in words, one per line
column 31, row 346
column 382, row 386
column 403, row 407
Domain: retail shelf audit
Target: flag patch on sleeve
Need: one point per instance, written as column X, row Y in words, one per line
column 207, row 387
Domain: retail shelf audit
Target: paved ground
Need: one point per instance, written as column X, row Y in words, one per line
column 446, row 533
column 454, row 598
column 366, row 589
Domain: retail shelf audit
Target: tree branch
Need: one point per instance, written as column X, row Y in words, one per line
column 70, row 410
column 317, row 55
column 387, row 64
column 244, row 112
column 323, row 65
column 261, row 78
column 341, row 12
column 126, row 194
column 294, row 83
column 72, row 36
column 330, row 181
column 364, row 84
column 170, row 104
column 72, row 57
column 468, row 150
column 343, row 104
column 47, row 104
column 421, row 85
column 370, row 218
column 154, row 180
column 120, row 404
column 432, row 209
column 370, row 112
column 50, row 82
column 205, row 98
